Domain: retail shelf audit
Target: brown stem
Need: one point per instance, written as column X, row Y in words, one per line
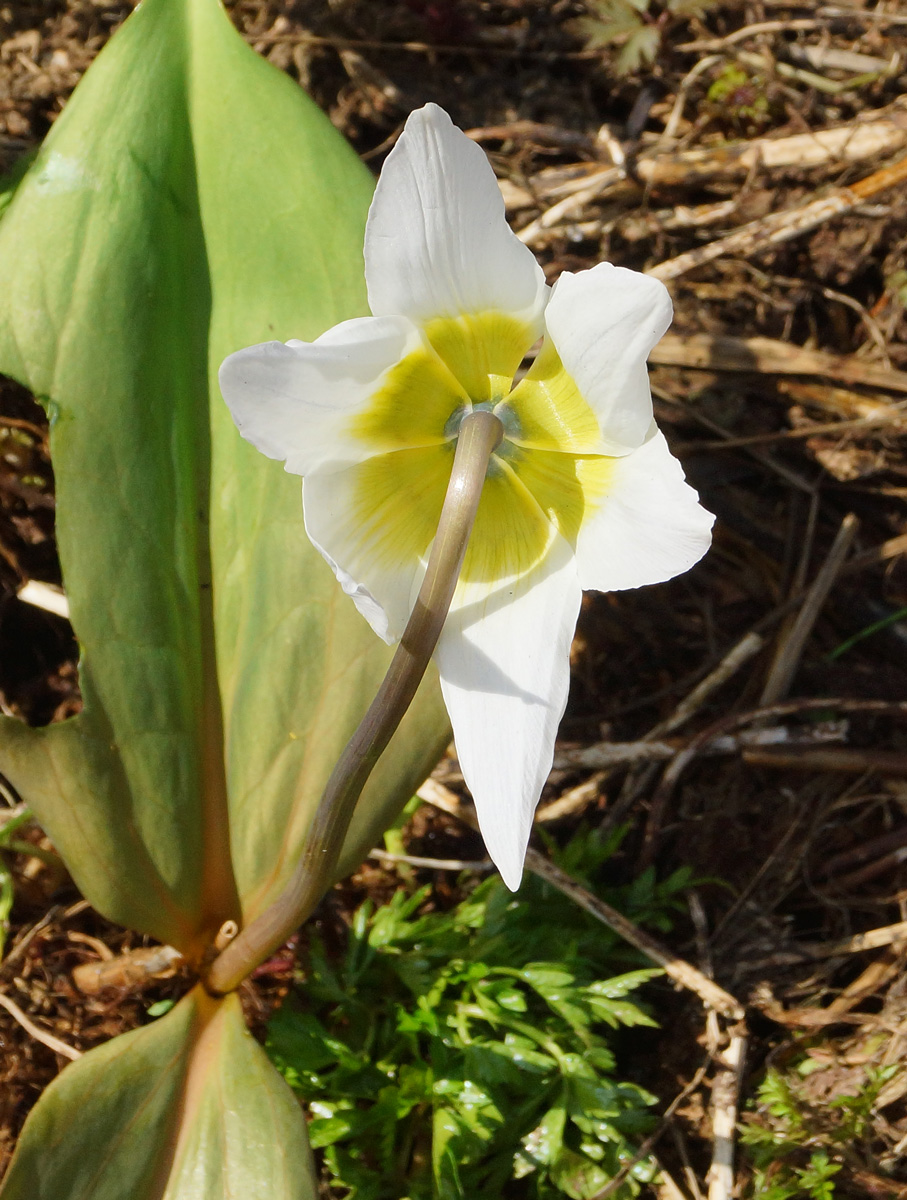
column 479, row 435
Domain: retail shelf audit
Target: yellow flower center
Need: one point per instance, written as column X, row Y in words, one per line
column 545, row 478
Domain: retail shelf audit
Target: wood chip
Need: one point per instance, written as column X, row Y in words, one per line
column 127, row 971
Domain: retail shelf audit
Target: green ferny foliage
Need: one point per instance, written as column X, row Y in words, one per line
column 448, row 1053
column 798, row 1146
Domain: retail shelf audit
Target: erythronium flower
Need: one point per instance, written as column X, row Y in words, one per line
column 581, row 493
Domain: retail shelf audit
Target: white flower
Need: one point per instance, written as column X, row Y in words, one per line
column 581, row 493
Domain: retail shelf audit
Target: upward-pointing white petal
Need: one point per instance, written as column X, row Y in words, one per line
column 436, row 242
column 504, row 661
column 603, row 323
column 295, row 401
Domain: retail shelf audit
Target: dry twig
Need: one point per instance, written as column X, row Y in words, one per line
column 848, row 759
column 872, row 939
column 681, row 761
column 894, row 839
column 601, row 755
column 35, row 1031
column 772, row 230
column 45, row 595
column 573, row 800
column 434, row 864
column 856, row 142
column 594, row 187
column 739, row 654
column 758, row 355
column 791, row 646
column 724, row 1104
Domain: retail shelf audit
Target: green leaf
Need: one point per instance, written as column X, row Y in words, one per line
column 187, row 1108
column 510, row 998
column 578, row 1176
column 545, row 977
column 544, row 1144
column 496, row 1063
column 159, row 1008
column 377, row 1063
column 639, row 49
column 464, row 1124
column 619, row 1012
column 325, row 1131
column 620, row 985
column 189, row 201
column 300, row 1038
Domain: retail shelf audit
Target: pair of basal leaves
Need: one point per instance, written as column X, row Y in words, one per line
column 582, row 491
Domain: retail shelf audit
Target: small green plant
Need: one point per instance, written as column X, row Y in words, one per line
column 446, row 1054
column 740, row 94
column 631, row 25
column 798, row 1145
column 11, row 822
column 896, row 283
column 786, row 1181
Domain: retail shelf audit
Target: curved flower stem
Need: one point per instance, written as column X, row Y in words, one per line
column 479, row 435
